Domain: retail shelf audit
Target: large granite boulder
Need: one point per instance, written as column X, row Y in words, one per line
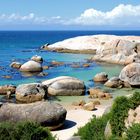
column 65, row 86
column 37, row 58
column 30, row 92
column 31, row 66
column 114, row 82
column 100, row 77
column 131, row 74
column 7, row 88
column 47, row 114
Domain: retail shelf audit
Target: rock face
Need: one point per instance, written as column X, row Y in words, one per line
column 114, row 82
column 108, row 48
column 48, row 114
column 37, row 58
column 15, row 65
column 133, row 117
column 131, row 74
column 7, row 88
column 28, row 93
column 101, row 77
column 65, row 86
column 31, row 66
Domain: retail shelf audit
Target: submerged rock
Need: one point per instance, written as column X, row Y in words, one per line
column 15, row 65
column 31, row 66
column 47, row 114
column 98, row 93
column 37, row 58
column 101, row 77
column 7, row 88
column 131, row 74
column 65, row 86
column 56, row 63
column 32, row 92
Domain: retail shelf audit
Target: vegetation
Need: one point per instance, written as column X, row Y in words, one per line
column 94, row 130
column 24, row 131
column 133, row 133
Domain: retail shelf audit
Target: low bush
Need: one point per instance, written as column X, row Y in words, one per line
column 133, row 132
column 94, row 130
column 24, row 131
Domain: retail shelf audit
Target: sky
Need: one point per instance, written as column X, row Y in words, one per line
column 70, row 15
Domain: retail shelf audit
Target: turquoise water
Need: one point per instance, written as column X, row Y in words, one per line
column 21, row 46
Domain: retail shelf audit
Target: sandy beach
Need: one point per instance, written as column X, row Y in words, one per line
column 75, row 119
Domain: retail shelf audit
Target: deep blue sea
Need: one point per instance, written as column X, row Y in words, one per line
column 22, row 45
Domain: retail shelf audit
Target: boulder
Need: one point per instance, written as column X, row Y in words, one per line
column 114, row 82
column 101, row 77
column 32, row 92
column 37, row 58
column 6, row 89
column 131, row 74
column 98, row 93
column 31, row 66
column 89, row 106
column 15, row 65
column 47, row 114
column 133, row 117
column 65, row 86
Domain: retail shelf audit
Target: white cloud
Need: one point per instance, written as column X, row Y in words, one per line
column 120, row 15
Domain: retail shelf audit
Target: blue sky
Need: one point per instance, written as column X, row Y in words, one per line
column 69, row 14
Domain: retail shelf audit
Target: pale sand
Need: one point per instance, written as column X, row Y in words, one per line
column 75, row 119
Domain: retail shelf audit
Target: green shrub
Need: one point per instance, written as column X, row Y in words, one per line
column 24, row 131
column 133, row 133
column 94, row 130
column 118, row 114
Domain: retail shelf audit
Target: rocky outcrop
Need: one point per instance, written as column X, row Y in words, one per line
column 28, row 93
column 15, row 65
column 108, row 48
column 6, row 89
column 133, row 117
column 98, row 93
column 47, row 114
column 114, row 82
column 131, row 74
column 37, row 58
column 65, row 86
column 31, row 66
column 100, row 77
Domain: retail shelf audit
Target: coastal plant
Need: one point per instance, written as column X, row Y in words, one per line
column 24, row 131
column 133, row 132
column 94, row 130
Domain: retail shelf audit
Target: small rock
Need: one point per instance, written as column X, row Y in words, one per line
column 108, row 131
column 89, row 106
column 101, row 77
column 15, row 65
column 43, row 74
column 45, row 67
column 86, row 65
column 37, row 58
column 56, row 63
column 6, row 76
column 7, row 88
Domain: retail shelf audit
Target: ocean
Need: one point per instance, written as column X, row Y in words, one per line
column 22, row 45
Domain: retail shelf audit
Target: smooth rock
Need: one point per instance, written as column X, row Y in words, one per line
column 32, row 92
column 131, row 74
column 89, row 106
column 114, row 82
column 47, row 114
column 101, row 77
column 31, row 66
column 65, row 86
column 15, row 65
column 37, row 58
